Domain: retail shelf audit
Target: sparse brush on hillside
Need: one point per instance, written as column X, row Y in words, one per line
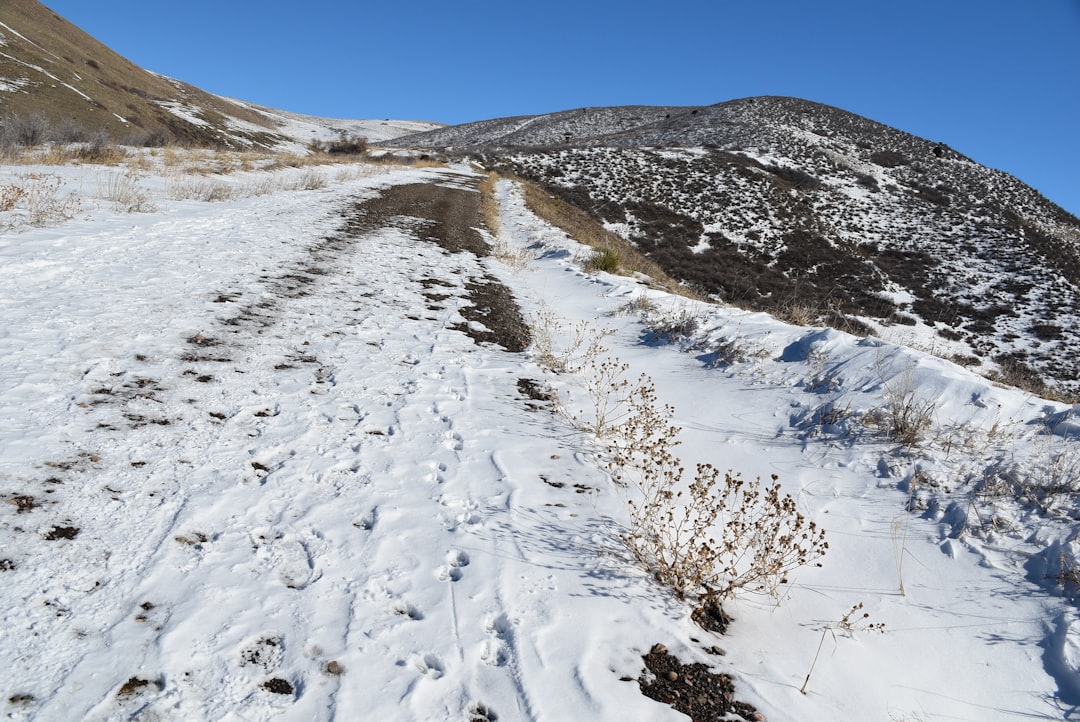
column 613, row 252
column 354, row 145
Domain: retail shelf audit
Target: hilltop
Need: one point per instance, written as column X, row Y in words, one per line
column 817, row 215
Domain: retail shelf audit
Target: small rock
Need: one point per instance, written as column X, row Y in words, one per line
column 673, row 676
column 334, row 667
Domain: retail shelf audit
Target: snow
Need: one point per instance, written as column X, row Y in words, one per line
column 342, row 492
column 305, row 128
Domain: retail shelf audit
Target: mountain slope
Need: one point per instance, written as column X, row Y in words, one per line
column 52, row 68
column 803, row 209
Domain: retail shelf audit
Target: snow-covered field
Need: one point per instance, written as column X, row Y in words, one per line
column 337, row 507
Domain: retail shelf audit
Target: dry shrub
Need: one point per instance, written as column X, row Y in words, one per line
column 717, row 536
column 311, row 180
column 582, row 346
column 46, row 203
column 907, row 416
column 674, row 326
column 10, row 195
column 200, row 189
column 607, row 260
column 125, row 193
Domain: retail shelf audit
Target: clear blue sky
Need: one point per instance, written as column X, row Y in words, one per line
column 998, row 80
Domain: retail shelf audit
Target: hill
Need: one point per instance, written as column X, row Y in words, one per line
column 820, row 216
column 75, row 88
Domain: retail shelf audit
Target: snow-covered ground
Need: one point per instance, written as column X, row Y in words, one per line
column 335, row 506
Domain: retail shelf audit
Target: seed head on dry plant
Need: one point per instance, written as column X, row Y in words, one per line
column 564, row 351
column 855, row 620
column 719, row 535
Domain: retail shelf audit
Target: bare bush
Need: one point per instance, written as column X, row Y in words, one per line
column 10, row 195
column 565, row 352
column 906, row 416
column 23, row 131
column 673, row 327
column 199, row 189
column 311, row 180
column 719, row 535
column 125, row 193
column 46, row 203
column 69, row 131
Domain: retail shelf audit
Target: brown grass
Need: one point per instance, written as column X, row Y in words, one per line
column 577, row 224
column 489, row 203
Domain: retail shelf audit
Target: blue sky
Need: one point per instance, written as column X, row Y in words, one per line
column 998, row 80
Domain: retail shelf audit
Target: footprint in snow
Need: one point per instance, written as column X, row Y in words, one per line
column 451, row 571
column 428, row 665
column 405, row 609
column 295, row 566
column 495, row 651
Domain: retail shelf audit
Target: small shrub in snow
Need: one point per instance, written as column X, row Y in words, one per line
column 608, row 260
column 726, row 351
column 200, row 189
column 563, row 351
column 642, row 305
column 125, row 193
column 680, row 325
column 310, row 180
column 10, row 195
column 854, row 621
column 714, row 537
column 906, row 416
column 45, row 202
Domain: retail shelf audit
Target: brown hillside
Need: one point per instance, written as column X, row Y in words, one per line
column 50, row 67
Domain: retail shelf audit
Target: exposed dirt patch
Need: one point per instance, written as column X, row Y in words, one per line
column 277, row 685
column 23, row 503
column 134, row 685
column 692, row 689
column 62, row 532
column 449, row 217
column 494, row 308
column 535, row 392
column 711, row 617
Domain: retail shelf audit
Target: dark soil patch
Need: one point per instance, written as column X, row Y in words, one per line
column 23, row 503
column 62, row 532
column 133, row 685
column 494, row 308
column 692, row 689
column 711, row 617
column 277, row 685
column 533, row 390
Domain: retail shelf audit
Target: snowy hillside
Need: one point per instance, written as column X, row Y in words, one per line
column 805, row 210
column 256, row 467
